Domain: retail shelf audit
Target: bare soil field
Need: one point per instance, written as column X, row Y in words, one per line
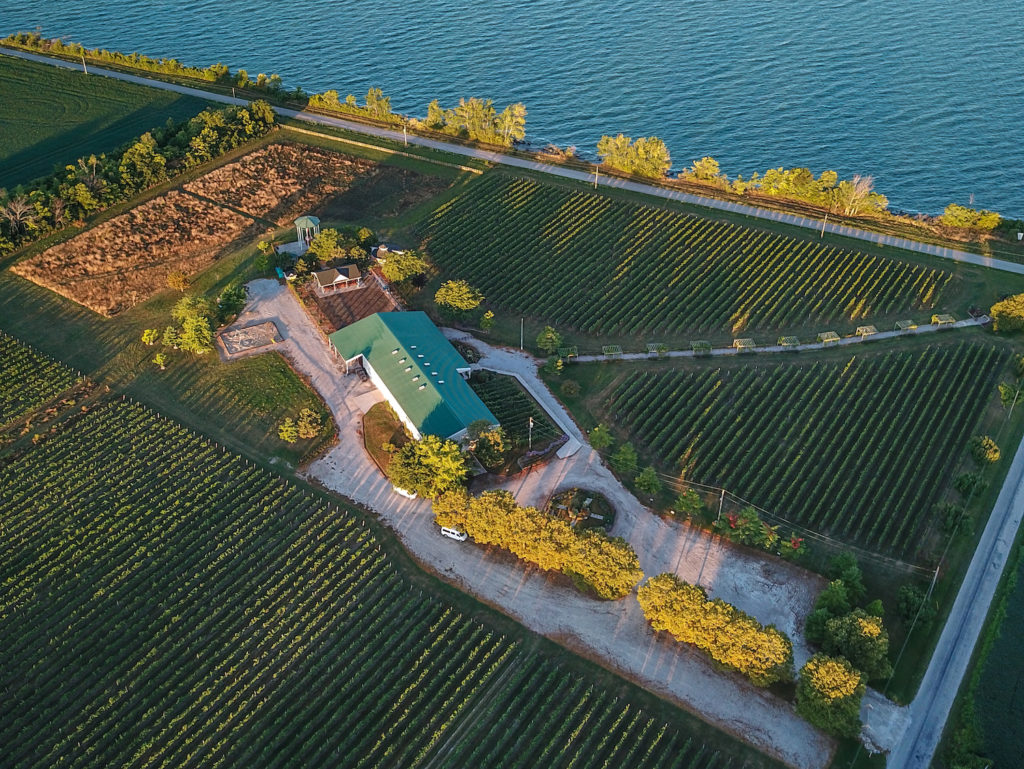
column 281, row 181
column 339, row 310
column 126, row 259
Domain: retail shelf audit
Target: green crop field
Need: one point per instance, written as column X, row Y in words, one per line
column 513, row 407
column 166, row 602
column 51, row 116
column 29, row 379
column 603, row 266
column 860, row 448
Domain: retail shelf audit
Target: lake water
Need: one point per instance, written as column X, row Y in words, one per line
column 928, row 97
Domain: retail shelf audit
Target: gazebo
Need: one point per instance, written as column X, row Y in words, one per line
column 700, row 347
column 905, row 325
column 657, row 348
column 306, row 228
column 611, row 350
column 744, row 345
column 828, row 337
column 943, row 320
column 789, row 341
column 865, row 331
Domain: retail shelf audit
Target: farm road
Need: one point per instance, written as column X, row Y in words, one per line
column 843, row 342
column 566, row 173
column 614, row 633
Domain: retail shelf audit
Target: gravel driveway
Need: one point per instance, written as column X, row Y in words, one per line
column 613, row 633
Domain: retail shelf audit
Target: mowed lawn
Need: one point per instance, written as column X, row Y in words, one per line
column 51, row 116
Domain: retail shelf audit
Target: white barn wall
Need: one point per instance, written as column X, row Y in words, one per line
column 391, row 399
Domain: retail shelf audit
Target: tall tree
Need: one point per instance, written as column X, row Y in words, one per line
column 829, row 694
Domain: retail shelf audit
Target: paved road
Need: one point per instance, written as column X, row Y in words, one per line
column 930, row 709
column 567, row 173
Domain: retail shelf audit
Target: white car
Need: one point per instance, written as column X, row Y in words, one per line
column 461, row 536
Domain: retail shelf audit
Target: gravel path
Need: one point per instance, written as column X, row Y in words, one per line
column 612, row 633
column 567, row 173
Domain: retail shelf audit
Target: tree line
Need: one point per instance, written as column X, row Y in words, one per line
column 96, row 182
column 605, row 565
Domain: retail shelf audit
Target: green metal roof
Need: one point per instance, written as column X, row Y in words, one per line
column 307, row 222
column 420, row 368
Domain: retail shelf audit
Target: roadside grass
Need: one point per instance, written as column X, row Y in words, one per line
column 50, row 116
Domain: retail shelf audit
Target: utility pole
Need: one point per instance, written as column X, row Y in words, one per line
column 84, row 68
column 596, row 172
column 522, row 323
column 823, row 226
column 405, row 134
column 721, row 499
column 530, row 444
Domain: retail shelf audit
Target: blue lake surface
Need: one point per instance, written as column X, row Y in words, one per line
column 927, row 97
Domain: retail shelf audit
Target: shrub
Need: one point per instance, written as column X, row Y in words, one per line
column 624, row 460
column 911, row 603
column 829, row 694
column 570, row 388
column 457, row 296
column 845, row 567
column 601, row 437
column 731, row 638
column 969, row 484
column 288, row 431
column 983, row 449
column 689, row 504
column 309, row 424
column 862, row 639
column 1008, row 314
column 648, row 481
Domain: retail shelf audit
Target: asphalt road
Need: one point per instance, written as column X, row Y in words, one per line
column 567, row 173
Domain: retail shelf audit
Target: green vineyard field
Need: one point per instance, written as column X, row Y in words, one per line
column 602, row 266
column 166, row 603
column 513, row 407
column 29, row 379
column 861, row 449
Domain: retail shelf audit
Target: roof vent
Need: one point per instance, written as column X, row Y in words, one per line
column 433, row 373
column 402, row 360
column 422, row 387
column 440, row 381
column 415, row 378
column 412, row 347
column 420, row 355
column 426, row 364
column 408, row 369
column 395, row 351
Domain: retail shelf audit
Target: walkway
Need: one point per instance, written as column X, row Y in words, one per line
column 615, row 633
column 842, row 342
column 566, row 173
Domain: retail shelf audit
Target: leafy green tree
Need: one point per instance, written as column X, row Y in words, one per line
column 648, row 482
column 142, row 165
column 912, row 603
column 1008, row 315
column 984, row 449
column 196, row 335
column 512, row 124
column 845, row 567
column 969, row 218
column 487, row 321
column 606, row 565
column 1008, row 394
column 835, row 598
column 645, row 157
column 862, row 639
column 171, row 337
column 732, row 638
column 490, row 448
column 829, row 695
column 365, row 236
column 160, row 359
column 458, row 296
column 601, row 437
column 309, row 424
column 969, row 484
column 403, row 266
column 624, row 460
column 231, row 302
column 704, row 170
column 428, row 467
column 288, row 431
column 688, row 504
column 150, row 336
column 549, row 340
column 327, row 245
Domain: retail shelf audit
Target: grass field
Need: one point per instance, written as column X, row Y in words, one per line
column 50, row 116
column 167, row 602
column 603, row 266
column 860, row 447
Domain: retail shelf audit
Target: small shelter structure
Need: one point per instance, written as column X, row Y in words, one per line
column 337, row 279
column 788, row 341
column 700, row 347
column 865, row 331
column 828, row 337
column 572, row 351
column 418, row 371
column 306, row 228
column 905, row 325
column 657, row 348
column 611, row 350
column 943, row 320
column 744, row 345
